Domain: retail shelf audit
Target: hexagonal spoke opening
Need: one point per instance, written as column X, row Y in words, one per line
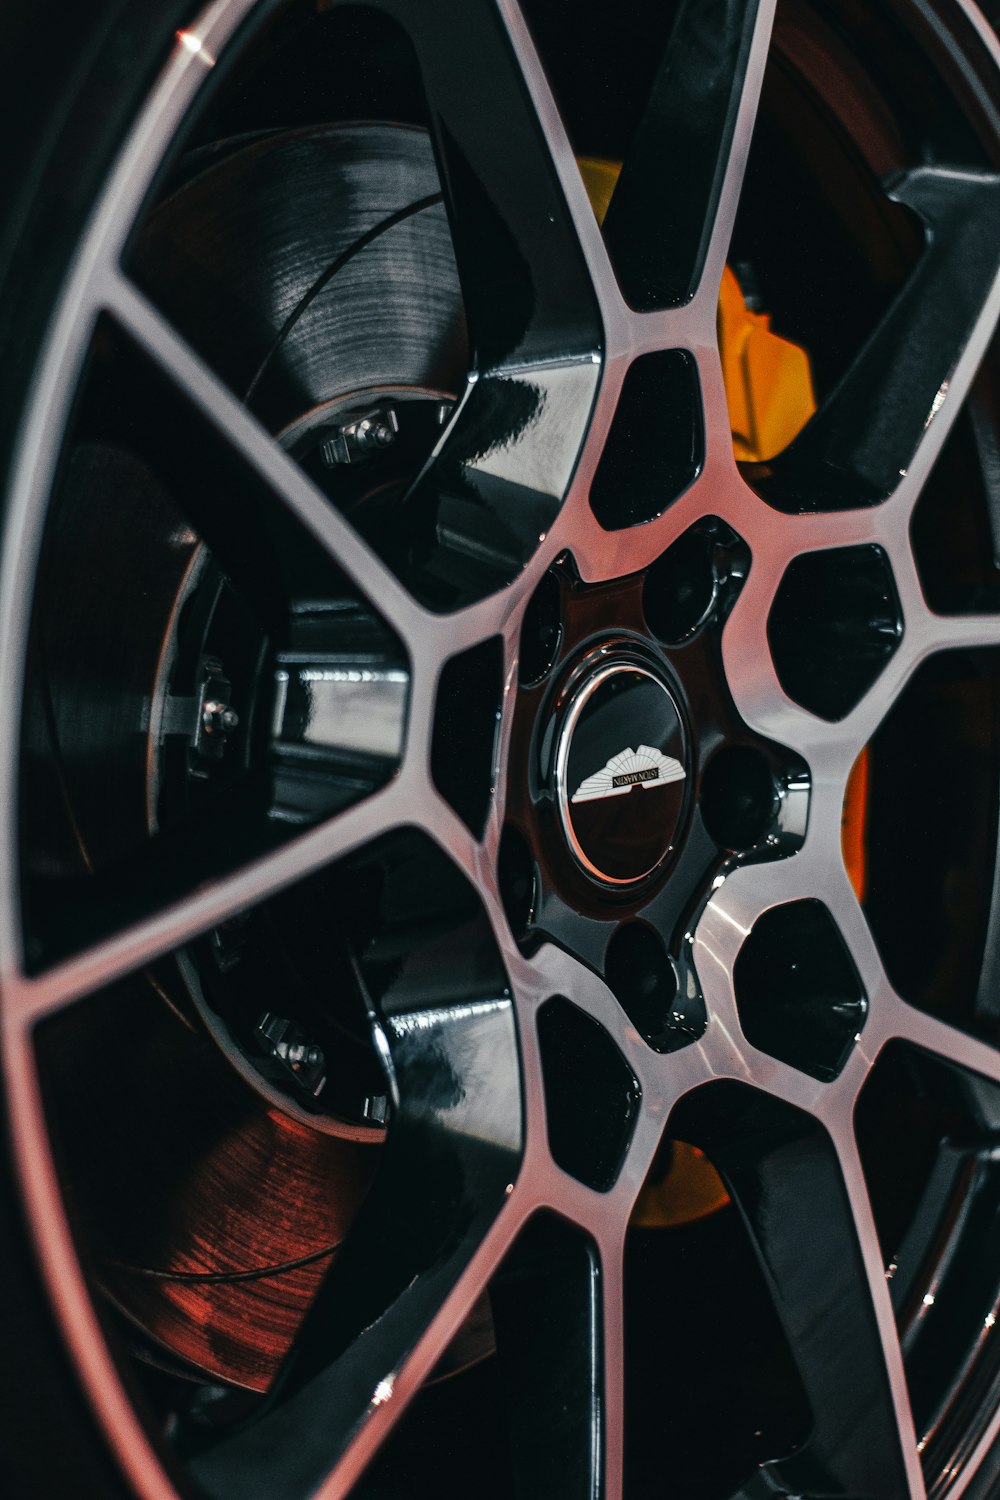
column 656, row 445
column 834, row 624
column 204, row 681
column 245, row 1253
column 466, row 724
column 591, row 1094
column 931, row 842
column 929, row 1135
column 798, row 993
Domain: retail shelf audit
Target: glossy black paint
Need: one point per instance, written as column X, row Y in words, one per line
column 660, row 218
column 740, row 797
column 591, row 1096
column 466, row 722
column 541, row 631
column 782, row 1172
column 647, row 984
column 445, row 1026
column 863, row 438
column 684, row 586
column 546, row 1308
column 548, row 894
column 475, row 515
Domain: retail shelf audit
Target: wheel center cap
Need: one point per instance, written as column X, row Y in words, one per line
column 620, row 772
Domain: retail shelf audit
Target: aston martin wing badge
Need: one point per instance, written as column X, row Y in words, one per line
column 644, row 767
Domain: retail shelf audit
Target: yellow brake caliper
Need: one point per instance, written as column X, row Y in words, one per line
column 769, row 392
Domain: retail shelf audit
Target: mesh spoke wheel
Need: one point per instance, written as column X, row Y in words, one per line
column 500, row 933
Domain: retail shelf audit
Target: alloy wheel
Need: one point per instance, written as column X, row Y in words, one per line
column 466, row 775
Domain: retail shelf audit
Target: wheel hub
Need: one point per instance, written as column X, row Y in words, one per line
column 621, row 768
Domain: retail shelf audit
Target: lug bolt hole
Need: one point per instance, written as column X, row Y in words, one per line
column 541, row 631
column 739, row 798
column 639, row 971
column 681, row 588
column 518, row 878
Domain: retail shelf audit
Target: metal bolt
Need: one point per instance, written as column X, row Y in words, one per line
column 287, row 1042
column 374, row 434
column 360, row 437
column 219, row 718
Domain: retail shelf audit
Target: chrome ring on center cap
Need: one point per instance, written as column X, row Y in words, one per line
column 620, row 772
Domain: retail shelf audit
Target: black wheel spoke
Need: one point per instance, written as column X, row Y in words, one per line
column 662, row 217
column 476, row 515
column 527, row 290
column 783, row 1173
column 547, row 1313
column 452, row 1156
column 865, row 436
